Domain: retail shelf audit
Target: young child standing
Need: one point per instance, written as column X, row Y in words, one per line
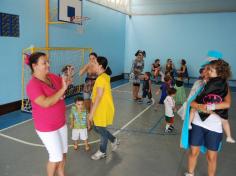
column 169, row 103
column 164, row 86
column 180, row 97
column 147, row 91
column 79, row 123
column 214, row 93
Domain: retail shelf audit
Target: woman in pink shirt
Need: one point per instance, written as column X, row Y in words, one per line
column 45, row 91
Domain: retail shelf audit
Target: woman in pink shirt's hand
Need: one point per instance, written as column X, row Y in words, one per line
column 46, row 91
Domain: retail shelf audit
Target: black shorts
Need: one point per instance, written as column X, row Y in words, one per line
column 136, row 84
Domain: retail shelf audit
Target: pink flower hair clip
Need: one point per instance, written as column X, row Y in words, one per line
column 27, row 61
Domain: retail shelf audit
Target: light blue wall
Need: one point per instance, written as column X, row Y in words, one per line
column 105, row 33
column 187, row 36
column 31, row 32
column 117, row 37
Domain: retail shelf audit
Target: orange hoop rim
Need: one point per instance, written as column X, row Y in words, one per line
column 79, row 19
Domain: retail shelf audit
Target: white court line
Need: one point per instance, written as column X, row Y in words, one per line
column 115, row 133
column 122, row 91
column 16, row 125
column 120, row 86
column 136, row 117
column 66, row 106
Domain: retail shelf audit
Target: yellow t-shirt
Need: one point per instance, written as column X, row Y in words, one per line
column 103, row 115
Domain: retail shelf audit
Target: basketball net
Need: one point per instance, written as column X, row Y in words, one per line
column 81, row 21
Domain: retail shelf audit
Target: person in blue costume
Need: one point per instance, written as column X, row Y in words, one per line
column 163, row 88
column 205, row 136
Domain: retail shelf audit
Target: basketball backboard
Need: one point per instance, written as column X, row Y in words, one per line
column 69, row 9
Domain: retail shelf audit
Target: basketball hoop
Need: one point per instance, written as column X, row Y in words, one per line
column 78, row 19
column 81, row 21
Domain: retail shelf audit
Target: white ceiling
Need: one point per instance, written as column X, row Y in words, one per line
column 160, row 7
column 155, row 7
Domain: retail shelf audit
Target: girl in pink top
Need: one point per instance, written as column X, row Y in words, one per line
column 48, row 110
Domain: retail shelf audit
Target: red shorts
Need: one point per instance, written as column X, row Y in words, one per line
column 169, row 119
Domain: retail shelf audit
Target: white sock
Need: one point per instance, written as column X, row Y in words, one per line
column 167, row 126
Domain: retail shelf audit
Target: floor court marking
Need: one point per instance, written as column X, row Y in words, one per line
column 66, row 106
column 15, row 125
column 141, row 131
column 155, row 125
column 136, row 117
column 122, row 91
column 92, row 142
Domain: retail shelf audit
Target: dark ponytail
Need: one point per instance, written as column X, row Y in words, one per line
column 108, row 71
column 104, row 63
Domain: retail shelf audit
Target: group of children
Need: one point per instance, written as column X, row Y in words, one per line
column 173, row 94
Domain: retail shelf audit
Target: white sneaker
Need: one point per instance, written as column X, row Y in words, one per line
column 114, row 145
column 230, row 140
column 168, row 130
column 188, row 174
column 98, row 155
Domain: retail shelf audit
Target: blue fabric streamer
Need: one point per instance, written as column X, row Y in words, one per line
column 184, row 143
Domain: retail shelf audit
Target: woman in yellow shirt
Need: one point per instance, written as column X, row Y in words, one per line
column 102, row 112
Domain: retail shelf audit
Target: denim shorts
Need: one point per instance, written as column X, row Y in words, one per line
column 200, row 136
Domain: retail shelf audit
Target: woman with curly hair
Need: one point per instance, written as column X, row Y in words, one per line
column 209, row 113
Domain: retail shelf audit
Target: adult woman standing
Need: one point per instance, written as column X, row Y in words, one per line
column 208, row 133
column 205, row 135
column 102, row 112
column 136, row 71
column 45, row 91
column 89, row 80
